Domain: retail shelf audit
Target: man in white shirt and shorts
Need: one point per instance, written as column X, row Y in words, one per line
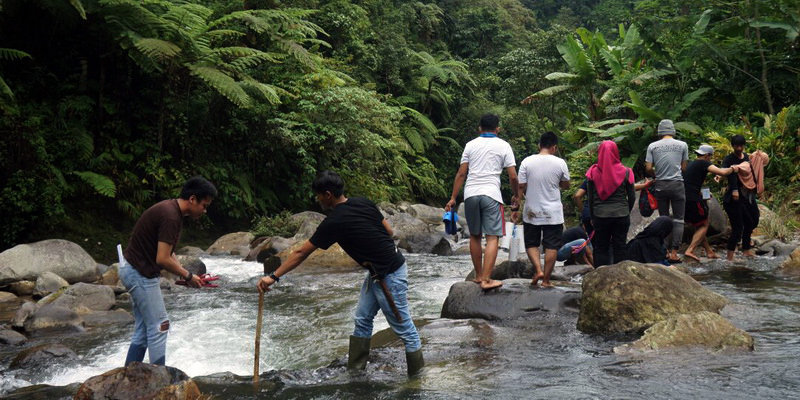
column 541, row 178
column 482, row 163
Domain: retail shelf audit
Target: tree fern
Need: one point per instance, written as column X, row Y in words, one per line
column 222, row 83
column 100, row 183
column 157, row 48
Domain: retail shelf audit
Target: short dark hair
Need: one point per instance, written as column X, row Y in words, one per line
column 490, row 122
column 547, row 140
column 199, row 187
column 738, row 140
column 328, row 181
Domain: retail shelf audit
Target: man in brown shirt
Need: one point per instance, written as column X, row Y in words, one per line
column 151, row 249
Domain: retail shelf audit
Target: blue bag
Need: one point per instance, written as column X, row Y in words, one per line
column 450, row 219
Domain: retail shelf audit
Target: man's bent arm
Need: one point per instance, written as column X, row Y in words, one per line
column 296, row 257
column 514, row 182
column 648, row 169
column 461, row 176
column 167, row 260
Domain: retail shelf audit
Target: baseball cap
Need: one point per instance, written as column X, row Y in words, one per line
column 704, row 149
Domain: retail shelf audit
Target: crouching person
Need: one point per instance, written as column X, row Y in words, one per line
column 152, row 248
column 360, row 229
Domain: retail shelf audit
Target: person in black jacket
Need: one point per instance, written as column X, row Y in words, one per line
column 739, row 202
column 648, row 245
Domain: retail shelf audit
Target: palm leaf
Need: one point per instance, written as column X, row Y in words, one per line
column 588, row 148
column 640, row 108
column 560, row 75
column 687, row 101
column 576, row 57
column 599, row 124
column 5, row 90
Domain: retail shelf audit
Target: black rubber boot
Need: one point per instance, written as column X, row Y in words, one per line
column 415, row 362
column 359, row 353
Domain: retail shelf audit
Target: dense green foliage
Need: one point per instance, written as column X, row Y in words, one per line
column 106, row 106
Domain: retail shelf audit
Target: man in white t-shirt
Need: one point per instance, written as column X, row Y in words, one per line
column 541, row 178
column 482, row 162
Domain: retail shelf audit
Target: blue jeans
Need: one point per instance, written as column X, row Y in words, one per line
column 565, row 252
column 151, row 322
column 372, row 299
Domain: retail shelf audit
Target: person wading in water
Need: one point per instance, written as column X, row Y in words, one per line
column 360, row 229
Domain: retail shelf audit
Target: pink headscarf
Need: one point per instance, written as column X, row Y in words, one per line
column 608, row 173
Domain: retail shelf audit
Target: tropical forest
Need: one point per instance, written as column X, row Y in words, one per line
column 108, row 106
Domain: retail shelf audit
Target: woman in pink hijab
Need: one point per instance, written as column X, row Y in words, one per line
column 611, row 198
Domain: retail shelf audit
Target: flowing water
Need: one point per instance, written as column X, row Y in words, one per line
column 308, row 318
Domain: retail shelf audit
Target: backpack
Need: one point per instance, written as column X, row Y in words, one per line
column 647, row 203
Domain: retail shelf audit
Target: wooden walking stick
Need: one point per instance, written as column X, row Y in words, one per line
column 258, row 336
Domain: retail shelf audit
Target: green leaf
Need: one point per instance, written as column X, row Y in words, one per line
column 687, row 127
column 78, row 6
column 547, row 92
column 687, row 101
column 560, row 75
column 702, row 23
column 12, row 54
column 791, row 30
column 100, row 183
column 157, row 48
column 223, row 84
column 588, row 148
column 615, row 131
column 640, row 108
column 590, row 130
column 599, row 124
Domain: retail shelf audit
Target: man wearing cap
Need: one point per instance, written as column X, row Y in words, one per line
column 666, row 159
column 482, row 163
column 696, row 202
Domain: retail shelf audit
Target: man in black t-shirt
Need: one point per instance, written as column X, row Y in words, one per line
column 362, row 232
column 696, row 205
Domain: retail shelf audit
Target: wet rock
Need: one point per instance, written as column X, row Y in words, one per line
column 462, row 250
column 268, row 247
column 776, row 248
column 427, row 214
column 793, row 262
column 388, row 209
column 236, row 244
column 23, row 313
column 62, row 257
column 50, row 318
column 83, row 298
column 567, row 272
column 515, row 299
column 193, row 264
column 140, row 381
column 706, row 329
column 10, row 337
column 444, row 247
column 42, row 356
column 413, row 234
column 308, row 222
column 630, row 297
column 333, row 257
column 47, row 283
column 22, row 288
column 522, row 268
column 191, row 251
column 103, row 318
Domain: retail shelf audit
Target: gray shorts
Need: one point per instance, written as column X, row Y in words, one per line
column 484, row 216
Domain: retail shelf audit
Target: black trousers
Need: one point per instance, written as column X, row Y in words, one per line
column 610, row 237
column 744, row 218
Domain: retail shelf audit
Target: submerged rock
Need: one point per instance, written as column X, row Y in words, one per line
column 704, row 329
column 629, row 297
column 515, row 299
column 62, row 257
column 140, row 381
column 42, row 356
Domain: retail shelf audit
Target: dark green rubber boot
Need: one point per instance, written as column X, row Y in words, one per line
column 359, row 353
column 415, row 362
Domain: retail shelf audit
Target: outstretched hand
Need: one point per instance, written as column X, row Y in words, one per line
column 264, row 284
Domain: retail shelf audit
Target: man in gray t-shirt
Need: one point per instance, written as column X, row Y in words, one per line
column 666, row 159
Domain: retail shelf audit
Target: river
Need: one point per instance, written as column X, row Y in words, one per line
column 307, row 321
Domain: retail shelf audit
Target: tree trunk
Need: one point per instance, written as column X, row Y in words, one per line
column 764, row 82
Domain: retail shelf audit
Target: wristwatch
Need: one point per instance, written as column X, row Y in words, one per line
column 274, row 277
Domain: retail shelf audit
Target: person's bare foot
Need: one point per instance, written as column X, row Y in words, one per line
column 712, row 255
column 748, row 254
column 547, row 284
column 691, row 255
column 476, row 280
column 536, row 279
column 491, row 284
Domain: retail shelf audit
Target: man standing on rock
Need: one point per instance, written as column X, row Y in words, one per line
column 482, row 163
column 360, row 229
column 151, row 249
column 697, row 198
column 541, row 178
column 666, row 159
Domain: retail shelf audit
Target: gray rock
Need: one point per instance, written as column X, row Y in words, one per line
column 567, row 272
column 429, row 215
column 413, row 234
column 103, row 318
column 515, row 299
column 193, row 264
column 140, row 381
column 25, row 311
column 51, row 318
column 22, row 288
column 630, row 297
column 7, row 297
column 47, row 283
column 13, row 338
column 776, row 248
column 444, row 247
column 111, row 276
column 270, row 246
column 101, row 269
column 308, row 222
column 62, row 257
column 83, row 298
column 388, row 209
column 704, row 329
column 237, row 243
column 42, row 356
column 522, row 268
column 191, row 251
column 793, row 262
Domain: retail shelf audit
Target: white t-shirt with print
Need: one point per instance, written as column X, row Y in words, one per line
column 487, row 158
column 543, row 173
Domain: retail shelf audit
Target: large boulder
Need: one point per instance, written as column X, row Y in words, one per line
column 42, row 356
column 522, row 268
column 515, row 299
column 445, row 247
column 776, row 248
column 235, row 244
column 307, row 221
column 61, row 257
column 334, row 257
column 51, row 318
column 83, row 298
column 139, row 381
column 793, row 262
column 429, row 215
column 47, row 283
column 103, row 318
column 706, row 329
column 8, row 297
column 193, row 264
column 413, row 234
column 630, row 297
column 191, row 251
column 267, row 247
column 11, row 337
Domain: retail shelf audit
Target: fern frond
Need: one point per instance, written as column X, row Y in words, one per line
column 78, row 6
column 269, row 92
column 223, row 84
column 157, row 48
column 5, row 90
column 13, row 54
column 100, row 183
